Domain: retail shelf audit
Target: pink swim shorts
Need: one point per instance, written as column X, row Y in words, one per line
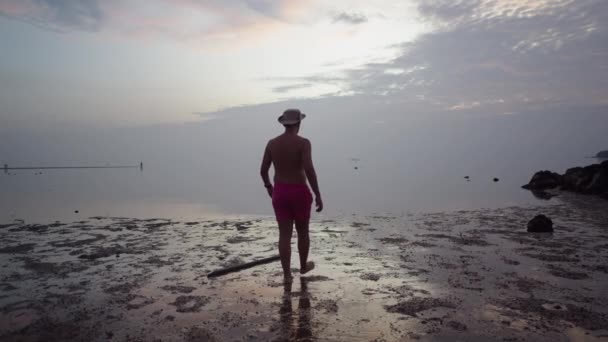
column 291, row 201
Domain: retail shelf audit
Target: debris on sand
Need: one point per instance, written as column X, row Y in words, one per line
column 327, row 305
column 394, row 240
column 316, row 278
column 18, row 249
column 241, row 239
column 52, row 269
column 190, row 303
column 465, row 240
column 78, row 242
column 104, row 252
column 423, row 244
column 456, row 325
column 564, row 273
column 418, row 304
column 199, row 334
column 154, row 226
column 551, row 315
column 407, row 290
column 234, row 261
column 137, row 301
column 178, row 289
column 370, row 276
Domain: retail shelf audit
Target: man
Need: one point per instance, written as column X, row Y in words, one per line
column 291, row 156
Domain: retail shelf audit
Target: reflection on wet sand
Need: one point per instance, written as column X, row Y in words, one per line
column 466, row 275
column 299, row 329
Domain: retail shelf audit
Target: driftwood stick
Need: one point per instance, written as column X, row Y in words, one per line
column 240, row 267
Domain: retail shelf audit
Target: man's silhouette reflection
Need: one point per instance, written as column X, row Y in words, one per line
column 303, row 330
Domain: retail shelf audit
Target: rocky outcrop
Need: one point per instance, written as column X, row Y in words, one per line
column 602, row 155
column 540, row 224
column 591, row 180
column 543, row 180
column 543, row 195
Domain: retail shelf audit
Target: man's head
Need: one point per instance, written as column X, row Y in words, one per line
column 291, row 119
column 294, row 127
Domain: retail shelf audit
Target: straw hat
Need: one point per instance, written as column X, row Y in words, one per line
column 291, row 117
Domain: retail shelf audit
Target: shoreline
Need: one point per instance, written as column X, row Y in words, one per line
column 470, row 274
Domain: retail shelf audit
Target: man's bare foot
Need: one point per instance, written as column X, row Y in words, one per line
column 287, row 278
column 309, row 267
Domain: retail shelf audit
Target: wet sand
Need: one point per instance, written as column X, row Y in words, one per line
column 466, row 275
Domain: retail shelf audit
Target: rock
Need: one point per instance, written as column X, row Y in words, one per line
column 496, row 179
column 543, row 195
column 544, row 180
column 602, row 155
column 592, row 179
column 466, row 177
column 76, row 211
column 540, row 224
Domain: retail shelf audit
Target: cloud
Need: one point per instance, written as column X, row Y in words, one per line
column 288, row 88
column 350, row 18
column 497, row 56
column 447, row 10
column 184, row 20
column 85, row 15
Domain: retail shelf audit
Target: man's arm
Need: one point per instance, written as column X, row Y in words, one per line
column 266, row 162
column 311, row 174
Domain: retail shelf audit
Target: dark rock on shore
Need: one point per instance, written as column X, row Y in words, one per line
column 543, row 195
column 591, row 180
column 543, row 180
column 602, row 154
column 540, row 224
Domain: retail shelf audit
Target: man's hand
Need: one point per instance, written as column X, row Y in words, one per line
column 269, row 189
column 319, row 204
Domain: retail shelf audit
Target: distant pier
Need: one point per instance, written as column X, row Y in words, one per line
column 140, row 167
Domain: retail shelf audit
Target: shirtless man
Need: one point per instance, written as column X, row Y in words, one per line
column 291, row 156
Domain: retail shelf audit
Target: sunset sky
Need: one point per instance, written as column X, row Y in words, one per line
column 129, row 62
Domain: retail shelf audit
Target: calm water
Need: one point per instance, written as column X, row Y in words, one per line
column 195, row 170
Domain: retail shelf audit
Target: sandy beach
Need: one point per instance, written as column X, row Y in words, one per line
column 447, row 276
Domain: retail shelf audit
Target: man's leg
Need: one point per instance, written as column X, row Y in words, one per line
column 285, row 231
column 303, row 245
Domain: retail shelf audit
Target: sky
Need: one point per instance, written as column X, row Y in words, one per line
column 136, row 62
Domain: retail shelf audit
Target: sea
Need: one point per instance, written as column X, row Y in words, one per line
column 366, row 164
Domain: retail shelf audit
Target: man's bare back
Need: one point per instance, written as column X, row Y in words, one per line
column 292, row 159
column 287, row 153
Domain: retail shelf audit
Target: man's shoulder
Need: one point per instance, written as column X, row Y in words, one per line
column 281, row 140
column 272, row 140
column 305, row 143
column 304, row 140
